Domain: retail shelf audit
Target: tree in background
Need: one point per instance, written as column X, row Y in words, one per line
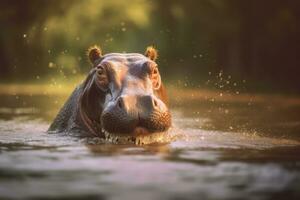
column 253, row 40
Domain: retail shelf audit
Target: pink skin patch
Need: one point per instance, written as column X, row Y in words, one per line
column 138, row 131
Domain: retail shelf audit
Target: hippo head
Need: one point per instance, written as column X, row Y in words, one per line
column 124, row 95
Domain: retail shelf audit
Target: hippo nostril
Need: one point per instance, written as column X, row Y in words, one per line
column 120, row 103
column 155, row 103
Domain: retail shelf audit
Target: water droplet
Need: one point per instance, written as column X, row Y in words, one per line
column 220, row 73
column 24, row 35
column 51, row 65
column 123, row 29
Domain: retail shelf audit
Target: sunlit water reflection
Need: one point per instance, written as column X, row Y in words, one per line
column 211, row 158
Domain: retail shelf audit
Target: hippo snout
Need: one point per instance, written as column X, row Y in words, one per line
column 136, row 114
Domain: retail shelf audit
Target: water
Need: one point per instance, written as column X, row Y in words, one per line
column 224, row 149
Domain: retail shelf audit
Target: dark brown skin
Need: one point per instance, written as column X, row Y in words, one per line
column 123, row 94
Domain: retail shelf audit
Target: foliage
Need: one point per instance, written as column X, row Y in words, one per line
column 253, row 40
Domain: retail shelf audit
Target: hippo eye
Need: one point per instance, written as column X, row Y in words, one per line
column 155, row 78
column 100, row 70
column 102, row 78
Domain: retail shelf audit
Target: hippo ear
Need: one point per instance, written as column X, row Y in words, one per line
column 151, row 53
column 94, row 53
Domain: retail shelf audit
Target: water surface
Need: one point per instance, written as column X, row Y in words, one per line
column 224, row 149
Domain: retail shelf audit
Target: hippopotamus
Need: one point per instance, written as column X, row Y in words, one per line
column 122, row 95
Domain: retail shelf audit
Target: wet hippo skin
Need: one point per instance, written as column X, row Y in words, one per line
column 122, row 94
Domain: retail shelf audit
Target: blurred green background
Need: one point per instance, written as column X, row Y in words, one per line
column 252, row 44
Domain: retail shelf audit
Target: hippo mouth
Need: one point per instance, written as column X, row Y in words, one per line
column 131, row 125
column 139, row 136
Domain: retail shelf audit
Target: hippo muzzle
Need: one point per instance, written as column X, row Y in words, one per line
column 136, row 114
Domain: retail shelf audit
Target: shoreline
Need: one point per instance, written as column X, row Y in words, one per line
column 176, row 93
